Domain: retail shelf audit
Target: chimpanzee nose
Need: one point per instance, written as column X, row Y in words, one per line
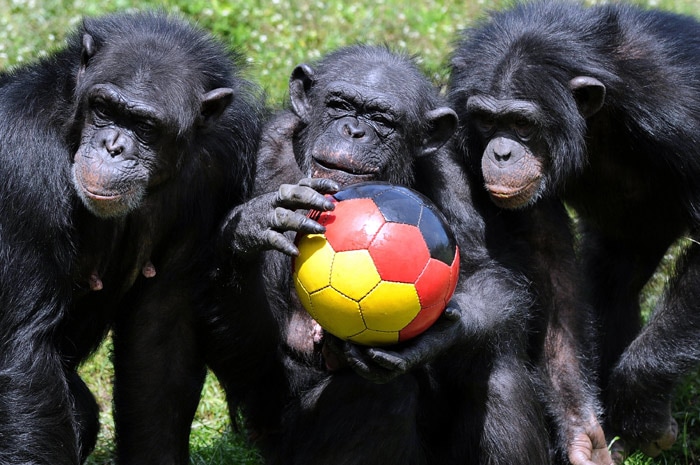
column 112, row 144
column 501, row 151
column 352, row 128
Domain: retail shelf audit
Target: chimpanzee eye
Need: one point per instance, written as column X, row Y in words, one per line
column 383, row 119
column 146, row 130
column 100, row 109
column 338, row 106
column 523, row 128
column 486, row 124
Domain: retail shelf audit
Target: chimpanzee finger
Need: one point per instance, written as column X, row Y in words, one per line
column 322, row 185
column 452, row 313
column 288, row 220
column 279, row 241
column 294, row 196
column 388, row 360
column 359, row 362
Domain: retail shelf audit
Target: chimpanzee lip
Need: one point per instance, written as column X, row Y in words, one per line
column 104, row 196
column 509, row 197
column 322, row 168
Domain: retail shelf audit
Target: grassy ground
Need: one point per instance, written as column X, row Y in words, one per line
column 275, row 36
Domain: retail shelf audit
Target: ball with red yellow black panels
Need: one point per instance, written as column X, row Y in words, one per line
column 385, row 268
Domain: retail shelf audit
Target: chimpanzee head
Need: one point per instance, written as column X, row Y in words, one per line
column 523, row 99
column 368, row 113
column 147, row 90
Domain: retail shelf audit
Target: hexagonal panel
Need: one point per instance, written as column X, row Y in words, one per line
column 424, row 320
column 369, row 337
column 362, row 190
column 354, row 274
column 399, row 252
column 355, row 223
column 313, row 264
column 390, row 306
column 434, row 283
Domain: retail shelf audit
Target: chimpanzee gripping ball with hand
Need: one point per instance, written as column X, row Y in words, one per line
column 461, row 392
column 119, row 156
column 600, row 107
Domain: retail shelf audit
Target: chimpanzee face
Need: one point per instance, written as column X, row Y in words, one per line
column 132, row 130
column 512, row 162
column 517, row 139
column 117, row 158
column 368, row 124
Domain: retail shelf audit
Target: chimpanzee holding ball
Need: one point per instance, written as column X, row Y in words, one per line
column 599, row 107
column 119, row 156
column 461, row 392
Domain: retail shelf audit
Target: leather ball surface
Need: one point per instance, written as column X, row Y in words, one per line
column 385, row 268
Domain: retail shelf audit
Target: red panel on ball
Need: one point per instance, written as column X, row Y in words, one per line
column 353, row 224
column 434, row 284
column 421, row 322
column 399, row 252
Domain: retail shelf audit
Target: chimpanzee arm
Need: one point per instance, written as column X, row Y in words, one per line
column 573, row 400
column 260, row 223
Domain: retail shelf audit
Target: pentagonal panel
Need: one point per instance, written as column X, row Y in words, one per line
column 336, row 313
column 399, row 205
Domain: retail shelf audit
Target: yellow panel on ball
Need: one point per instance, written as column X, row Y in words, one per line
column 376, row 338
column 354, row 273
column 313, row 264
column 304, row 297
column 390, row 306
column 336, row 313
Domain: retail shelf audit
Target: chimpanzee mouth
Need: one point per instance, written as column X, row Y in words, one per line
column 103, row 196
column 343, row 174
column 513, row 197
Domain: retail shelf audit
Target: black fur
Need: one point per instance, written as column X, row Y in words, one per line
column 462, row 392
column 628, row 166
column 67, row 276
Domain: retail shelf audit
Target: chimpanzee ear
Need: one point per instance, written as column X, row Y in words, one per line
column 214, row 103
column 87, row 52
column 589, row 94
column 300, row 83
column 442, row 124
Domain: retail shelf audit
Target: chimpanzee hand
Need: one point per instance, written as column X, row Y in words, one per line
column 260, row 223
column 383, row 365
column 587, row 444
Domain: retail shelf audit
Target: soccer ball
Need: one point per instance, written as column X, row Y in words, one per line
column 385, row 268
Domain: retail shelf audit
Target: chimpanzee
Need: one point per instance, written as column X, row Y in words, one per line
column 599, row 107
column 462, row 392
column 119, row 156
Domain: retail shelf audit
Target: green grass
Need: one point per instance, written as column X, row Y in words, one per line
column 275, row 36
